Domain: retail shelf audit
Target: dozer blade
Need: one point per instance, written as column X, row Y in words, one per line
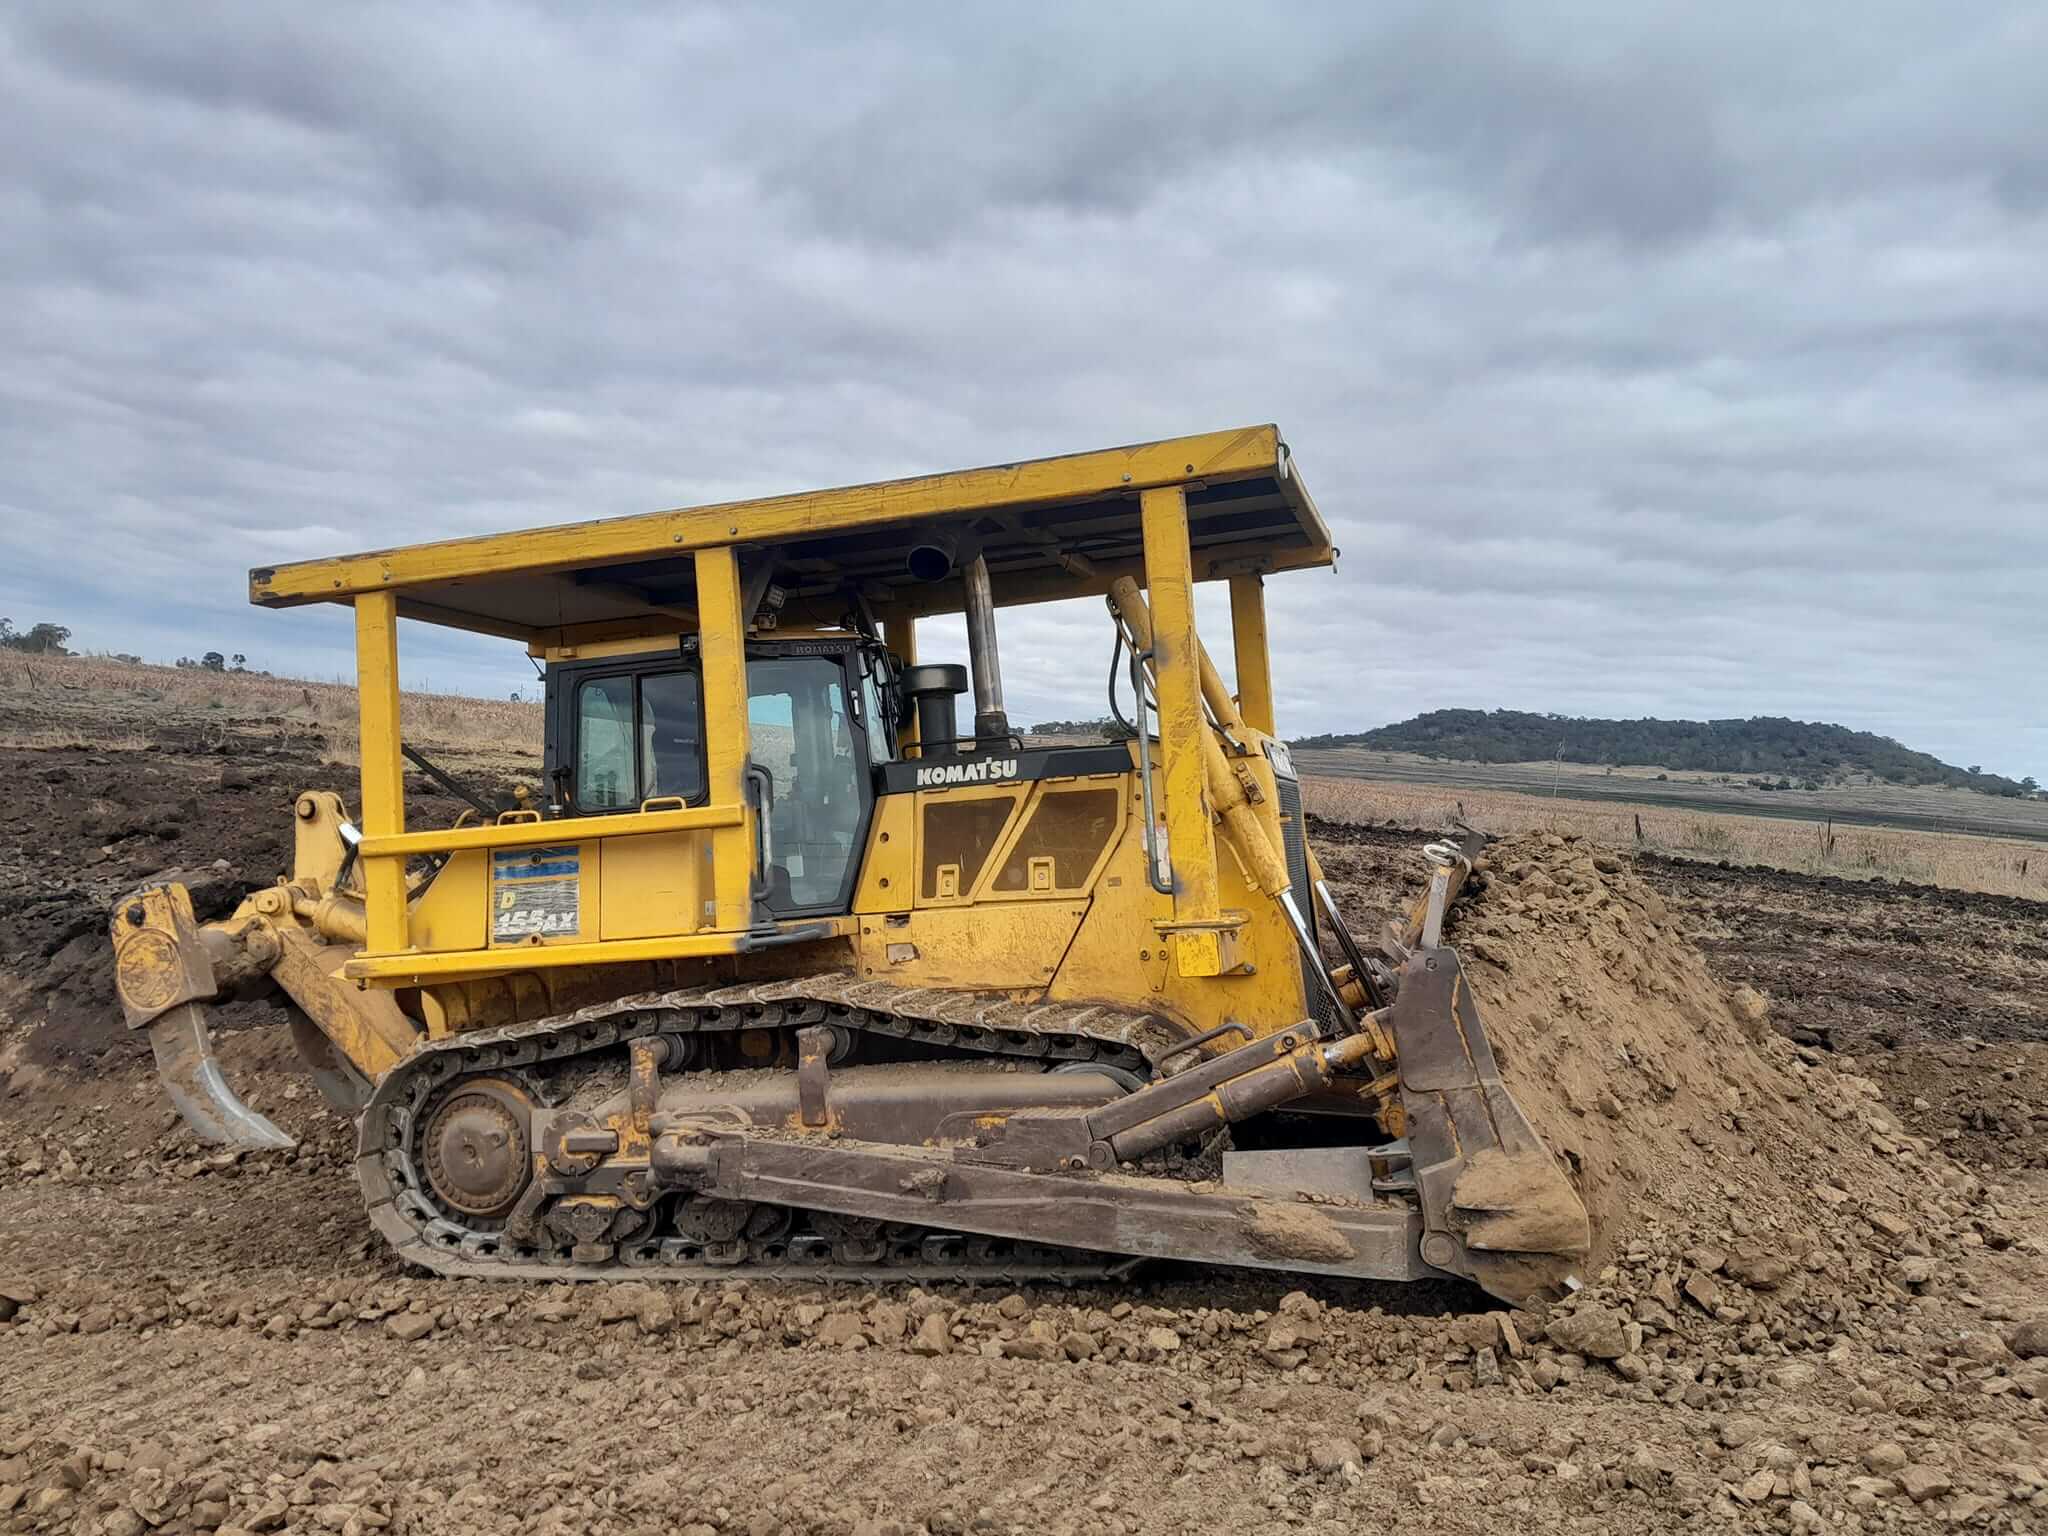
column 1496, row 1206
column 192, row 1077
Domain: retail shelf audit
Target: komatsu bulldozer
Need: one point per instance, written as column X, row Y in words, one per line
column 780, row 969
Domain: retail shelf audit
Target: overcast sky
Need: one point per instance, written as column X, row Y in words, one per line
column 1691, row 365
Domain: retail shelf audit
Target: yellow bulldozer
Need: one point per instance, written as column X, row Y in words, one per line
column 780, row 970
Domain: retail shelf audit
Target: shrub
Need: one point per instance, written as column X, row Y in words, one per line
column 38, row 640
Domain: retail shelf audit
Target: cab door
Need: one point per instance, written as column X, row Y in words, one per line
column 811, row 756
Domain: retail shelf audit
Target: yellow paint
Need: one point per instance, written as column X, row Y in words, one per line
column 950, row 893
column 1019, row 829
column 657, row 641
column 1252, row 825
column 727, row 739
column 992, row 946
column 1118, row 955
column 1254, row 660
column 415, row 969
column 668, row 891
column 160, row 961
column 1243, row 792
column 888, row 870
column 317, row 848
column 652, row 885
column 454, row 912
column 382, row 771
column 1214, row 457
column 1177, row 673
column 366, row 1027
column 566, row 829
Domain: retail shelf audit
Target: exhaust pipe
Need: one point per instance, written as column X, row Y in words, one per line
column 936, row 556
column 933, row 556
column 990, row 718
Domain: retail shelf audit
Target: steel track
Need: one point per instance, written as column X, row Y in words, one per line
column 402, row 1207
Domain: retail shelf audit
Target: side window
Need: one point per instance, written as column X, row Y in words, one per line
column 605, row 777
column 881, row 743
column 671, row 751
column 637, row 736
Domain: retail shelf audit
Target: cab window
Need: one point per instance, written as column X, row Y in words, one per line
column 803, row 739
column 638, row 736
column 881, row 742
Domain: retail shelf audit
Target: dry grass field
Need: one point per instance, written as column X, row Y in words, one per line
column 1860, row 800
column 115, row 706
column 1959, row 861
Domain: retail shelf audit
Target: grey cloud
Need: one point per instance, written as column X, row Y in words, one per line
column 1693, row 358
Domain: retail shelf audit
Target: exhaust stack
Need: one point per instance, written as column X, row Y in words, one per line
column 990, row 718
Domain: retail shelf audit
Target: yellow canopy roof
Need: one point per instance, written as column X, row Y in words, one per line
column 1049, row 528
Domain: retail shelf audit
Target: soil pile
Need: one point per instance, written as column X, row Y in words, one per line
column 86, row 827
column 1683, row 1118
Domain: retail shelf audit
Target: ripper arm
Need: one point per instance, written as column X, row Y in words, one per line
column 169, row 967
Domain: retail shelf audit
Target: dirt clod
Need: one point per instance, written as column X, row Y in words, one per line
column 2030, row 1339
column 1600, row 1332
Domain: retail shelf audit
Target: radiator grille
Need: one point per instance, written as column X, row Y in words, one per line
column 1294, row 836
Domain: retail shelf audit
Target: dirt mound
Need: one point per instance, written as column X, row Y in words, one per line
column 1684, row 1119
column 87, row 826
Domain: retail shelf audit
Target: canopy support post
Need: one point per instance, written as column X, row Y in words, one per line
column 383, row 774
column 728, row 743
column 1198, row 939
column 1254, row 657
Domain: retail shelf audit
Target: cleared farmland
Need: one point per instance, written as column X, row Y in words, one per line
column 1861, row 804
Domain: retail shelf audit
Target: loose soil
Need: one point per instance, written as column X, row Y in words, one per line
column 82, row 827
column 1814, row 1306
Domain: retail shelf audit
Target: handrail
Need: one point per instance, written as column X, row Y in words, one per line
column 534, row 834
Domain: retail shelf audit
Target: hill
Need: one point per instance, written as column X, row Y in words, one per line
column 1767, row 745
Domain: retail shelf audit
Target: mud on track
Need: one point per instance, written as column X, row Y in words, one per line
column 197, row 1342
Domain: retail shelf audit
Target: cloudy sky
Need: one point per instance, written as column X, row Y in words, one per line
column 1692, row 364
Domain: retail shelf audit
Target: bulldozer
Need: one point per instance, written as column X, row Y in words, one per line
column 781, row 970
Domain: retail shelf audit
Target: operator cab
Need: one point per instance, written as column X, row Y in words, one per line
column 626, row 733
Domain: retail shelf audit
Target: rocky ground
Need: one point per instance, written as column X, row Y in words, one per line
column 1816, row 1306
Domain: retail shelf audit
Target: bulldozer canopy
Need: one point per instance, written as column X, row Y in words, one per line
column 1049, row 528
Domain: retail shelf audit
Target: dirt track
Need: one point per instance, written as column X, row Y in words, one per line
column 199, row 1341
